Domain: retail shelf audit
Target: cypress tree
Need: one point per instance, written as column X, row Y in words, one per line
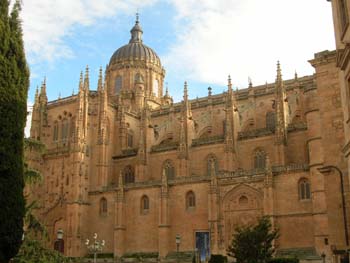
column 14, row 82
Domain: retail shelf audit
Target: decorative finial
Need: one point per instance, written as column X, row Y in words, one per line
column 279, row 74
column 229, row 83
column 73, row 92
column 86, row 80
column 59, row 95
column 137, row 16
column 185, row 91
column 81, row 85
column 100, row 76
column 166, row 90
column 295, row 75
column 250, row 82
column 209, row 91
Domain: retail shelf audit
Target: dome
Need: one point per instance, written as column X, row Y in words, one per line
column 135, row 50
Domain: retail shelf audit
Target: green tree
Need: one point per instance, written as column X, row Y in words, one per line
column 33, row 251
column 253, row 243
column 14, row 82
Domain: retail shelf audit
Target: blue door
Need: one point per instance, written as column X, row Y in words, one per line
column 203, row 245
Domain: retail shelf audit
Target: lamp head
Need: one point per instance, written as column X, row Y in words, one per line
column 60, row 234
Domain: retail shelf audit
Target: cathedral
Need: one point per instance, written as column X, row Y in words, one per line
column 160, row 179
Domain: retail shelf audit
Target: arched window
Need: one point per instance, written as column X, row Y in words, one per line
column 271, row 121
column 211, row 160
column 155, row 87
column 118, row 84
column 144, row 204
column 55, row 132
column 169, row 169
column 130, row 139
column 103, row 206
column 129, row 176
column 64, row 129
column 259, row 159
column 304, row 189
column 190, row 200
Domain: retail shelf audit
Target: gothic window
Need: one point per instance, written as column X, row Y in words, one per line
column 169, row 169
column 130, row 139
column 55, row 132
column 343, row 13
column 190, row 200
column 129, row 176
column 304, row 189
column 64, row 129
column 259, row 159
column 210, row 161
column 118, row 84
column 271, row 121
column 155, row 87
column 144, row 204
column 103, row 206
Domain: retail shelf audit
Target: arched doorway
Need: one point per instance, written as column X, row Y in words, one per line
column 241, row 206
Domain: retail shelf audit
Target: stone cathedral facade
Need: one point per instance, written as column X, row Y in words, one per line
column 128, row 163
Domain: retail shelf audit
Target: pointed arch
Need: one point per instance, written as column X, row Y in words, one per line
column 144, row 204
column 304, row 189
column 129, row 174
column 259, row 159
column 118, row 84
column 211, row 158
column 271, row 121
column 169, row 169
column 103, row 206
column 190, row 200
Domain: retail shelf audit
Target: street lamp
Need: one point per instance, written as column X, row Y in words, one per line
column 59, row 243
column 95, row 246
column 178, row 241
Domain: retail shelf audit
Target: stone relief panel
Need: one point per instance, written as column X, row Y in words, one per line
column 242, row 205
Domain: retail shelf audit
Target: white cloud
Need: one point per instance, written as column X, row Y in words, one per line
column 246, row 38
column 47, row 23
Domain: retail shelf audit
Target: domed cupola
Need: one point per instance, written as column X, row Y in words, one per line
column 135, row 50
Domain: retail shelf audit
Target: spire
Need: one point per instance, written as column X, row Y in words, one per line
column 229, row 83
column 86, row 79
column 167, row 90
column 250, row 83
column 36, row 95
column 100, row 82
column 81, row 84
column 279, row 74
column 209, row 91
column 136, row 32
column 185, row 91
column 43, row 88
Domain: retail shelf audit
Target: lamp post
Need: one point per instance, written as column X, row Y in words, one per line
column 178, row 241
column 95, row 246
column 59, row 243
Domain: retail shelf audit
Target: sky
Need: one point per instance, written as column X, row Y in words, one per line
column 198, row 41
